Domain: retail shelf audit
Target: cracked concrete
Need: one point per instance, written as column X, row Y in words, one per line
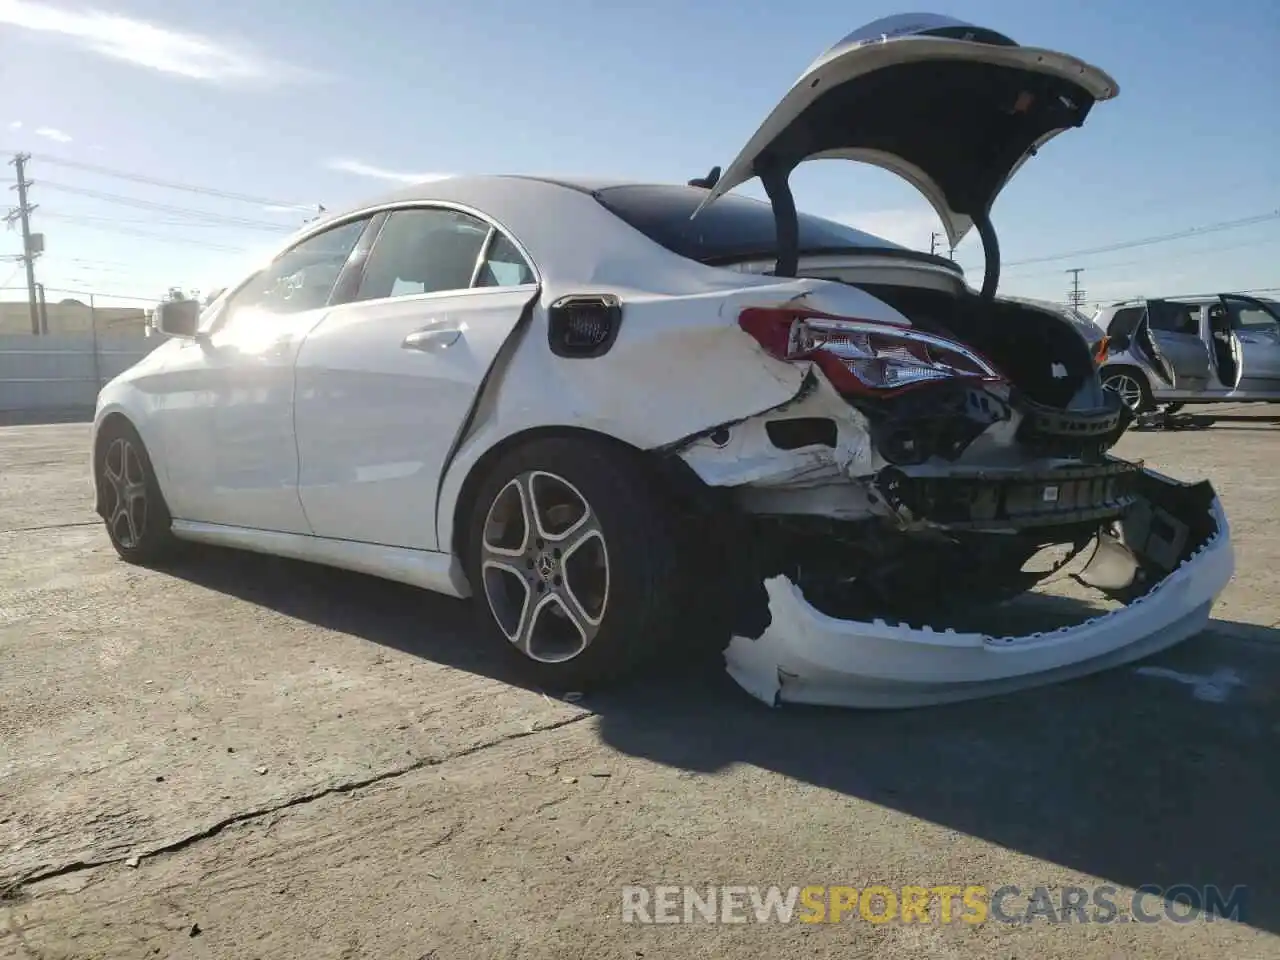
column 307, row 763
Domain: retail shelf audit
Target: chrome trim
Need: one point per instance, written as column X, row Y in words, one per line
column 902, row 333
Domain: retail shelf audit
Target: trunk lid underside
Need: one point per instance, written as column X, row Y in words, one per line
column 952, row 108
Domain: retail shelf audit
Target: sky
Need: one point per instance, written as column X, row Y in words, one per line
column 288, row 105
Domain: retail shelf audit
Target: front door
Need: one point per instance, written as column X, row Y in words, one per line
column 1256, row 326
column 386, row 381
column 227, row 408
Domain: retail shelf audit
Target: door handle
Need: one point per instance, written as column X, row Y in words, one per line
column 432, row 339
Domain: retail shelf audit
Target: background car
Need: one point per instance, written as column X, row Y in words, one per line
column 1184, row 350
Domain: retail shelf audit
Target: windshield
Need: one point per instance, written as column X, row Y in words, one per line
column 733, row 228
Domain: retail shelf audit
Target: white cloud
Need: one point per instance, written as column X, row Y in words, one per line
column 362, row 169
column 145, row 44
column 54, row 134
column 909, row 227
column 15, row 124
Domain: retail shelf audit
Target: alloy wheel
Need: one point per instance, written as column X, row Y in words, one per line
column 1126, row 388
column 545, row 566
column 126, row 503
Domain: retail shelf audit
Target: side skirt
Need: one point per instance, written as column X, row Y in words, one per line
column 439, row 572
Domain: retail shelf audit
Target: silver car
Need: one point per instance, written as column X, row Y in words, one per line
column 1184, row 350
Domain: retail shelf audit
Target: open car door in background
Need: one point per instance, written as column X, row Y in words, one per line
column 1172, row 332
column 1228, row 356
column 1130, row 327
column 1256, row 324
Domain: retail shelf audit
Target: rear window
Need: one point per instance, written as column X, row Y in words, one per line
column 733, row 228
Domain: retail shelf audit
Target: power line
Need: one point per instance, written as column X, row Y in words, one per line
column 91, row 218
column 170, row 184
column 94, row 293
column 166, row 208
column 225, row 248
column 1148, row 241
column 1250, row 244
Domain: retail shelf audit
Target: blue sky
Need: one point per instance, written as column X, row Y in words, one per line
column 331, row 102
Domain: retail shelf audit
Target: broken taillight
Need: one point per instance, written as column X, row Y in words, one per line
column 863, row 356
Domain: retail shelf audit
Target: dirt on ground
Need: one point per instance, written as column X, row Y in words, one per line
column 243, row 757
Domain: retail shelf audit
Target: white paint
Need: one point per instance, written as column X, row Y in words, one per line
column 420, row 568
column 1215, row 687
column 894, row 42
column 320, row 423
column 805, row 656
column 749, row 458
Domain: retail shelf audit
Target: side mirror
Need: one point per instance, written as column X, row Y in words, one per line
column 178, row 318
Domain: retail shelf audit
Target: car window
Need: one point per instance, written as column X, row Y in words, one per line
column 301, row 278
column 422, row 251
column 505, row 266
column 1169, row 317
column 1245, row 316
column 1125, row 321
column 734, row 228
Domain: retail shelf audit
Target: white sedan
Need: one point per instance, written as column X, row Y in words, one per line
column 617, row 414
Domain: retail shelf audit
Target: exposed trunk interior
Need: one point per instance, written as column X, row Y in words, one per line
column 1040, row 353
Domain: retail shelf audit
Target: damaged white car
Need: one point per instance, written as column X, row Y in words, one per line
column 614, row 413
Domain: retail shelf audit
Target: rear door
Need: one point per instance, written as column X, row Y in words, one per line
column 1257, row 328
column 386, row 381
column 1176, row 329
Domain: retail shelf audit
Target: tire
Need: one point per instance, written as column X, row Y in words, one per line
column 583, row 624
column 132, row 507
column 1113, row 379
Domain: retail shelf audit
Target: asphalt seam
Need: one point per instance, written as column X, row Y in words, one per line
column 12, row 890
column 53, row 526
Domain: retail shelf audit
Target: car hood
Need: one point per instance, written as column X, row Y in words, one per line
column 953, row 108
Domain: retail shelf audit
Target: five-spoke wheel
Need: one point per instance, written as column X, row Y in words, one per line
column 1130, row 387
column 129, row 498
column 571, row 556
column 545, row 566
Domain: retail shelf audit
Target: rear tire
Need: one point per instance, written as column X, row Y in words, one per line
column 1131, row 386
column 132, row 507
column 572, row 558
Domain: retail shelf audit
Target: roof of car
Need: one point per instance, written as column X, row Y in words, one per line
column 446, row 187
column 571, row 235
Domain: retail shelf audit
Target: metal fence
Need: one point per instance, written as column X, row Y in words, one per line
column 61, row 374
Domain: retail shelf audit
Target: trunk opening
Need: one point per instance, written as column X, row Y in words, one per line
column 1041, row 355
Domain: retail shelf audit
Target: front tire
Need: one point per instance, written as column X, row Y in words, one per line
column 572, row 558
column 130, row 502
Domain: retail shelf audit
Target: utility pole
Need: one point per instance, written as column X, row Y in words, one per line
column 1075, row 296
column 22, row 213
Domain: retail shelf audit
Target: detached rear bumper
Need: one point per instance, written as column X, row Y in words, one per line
column 805, row 656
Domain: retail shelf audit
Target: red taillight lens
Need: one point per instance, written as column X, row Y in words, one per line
column 863, row 356
column 1101, row 355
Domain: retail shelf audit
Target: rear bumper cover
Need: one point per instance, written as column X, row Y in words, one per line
column 805, row 656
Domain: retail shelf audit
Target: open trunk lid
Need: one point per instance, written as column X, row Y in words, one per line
column 953, row 108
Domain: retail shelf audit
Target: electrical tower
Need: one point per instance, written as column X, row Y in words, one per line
column 32, row 244
column 1076, row 295
column 933, row 242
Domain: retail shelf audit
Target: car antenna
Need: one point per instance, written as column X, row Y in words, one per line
column 707, row 182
